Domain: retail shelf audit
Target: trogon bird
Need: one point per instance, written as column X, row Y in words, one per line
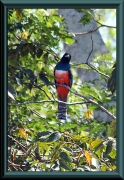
column 63, row 76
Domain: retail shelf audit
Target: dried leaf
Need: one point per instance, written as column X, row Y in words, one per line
column 23, row 133
column 14, row 154
column 88, row 157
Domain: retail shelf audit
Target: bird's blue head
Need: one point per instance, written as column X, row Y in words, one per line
column 66, row 58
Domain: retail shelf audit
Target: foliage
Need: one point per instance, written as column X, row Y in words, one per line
column 38, row 141
column 112, row 80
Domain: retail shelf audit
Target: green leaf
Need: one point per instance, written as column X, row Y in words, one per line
column 12, row 92
column 70, row 125
column 64, row 165
column 36, row 151
column 39, row 52
column 109, row 147
column 44, row 79
column 29, row 73
column 69, row 41
column 86, row 18
column 112, row 154
column 69, row 150
column 42, row 147
column 97, row 144
column 111, row 129
column 44, row 134
column 53, row 137
column 19, row 77
column 56, row 152
column 65, row 156
column 19, row 81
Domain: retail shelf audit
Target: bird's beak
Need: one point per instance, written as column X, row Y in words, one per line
column 68, row 56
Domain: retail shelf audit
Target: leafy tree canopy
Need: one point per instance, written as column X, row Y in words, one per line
column 37, row 140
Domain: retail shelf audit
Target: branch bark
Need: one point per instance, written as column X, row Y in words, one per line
column 83, row 102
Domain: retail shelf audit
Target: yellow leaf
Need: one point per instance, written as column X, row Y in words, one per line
column 88, row 114
column 23, row 133
column 25, row 35
column 88, row 157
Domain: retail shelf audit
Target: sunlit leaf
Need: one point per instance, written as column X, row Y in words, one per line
column 12, row 92
column 95, row 162
column 25, row 35
column 84, row 134
column 69, row 41
column 113, row 153
column 97, row 144
column 88, row 114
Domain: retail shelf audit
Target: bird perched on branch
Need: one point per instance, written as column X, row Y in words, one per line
column 63, row 76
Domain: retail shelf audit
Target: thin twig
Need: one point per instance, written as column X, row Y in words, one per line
column 104, row 25
column 42, row 90
column 18, row 165
column 87, row 32
column 44, row 101
column 92, row 67
column 23, row 147
column 91, row 50
column 35, row 112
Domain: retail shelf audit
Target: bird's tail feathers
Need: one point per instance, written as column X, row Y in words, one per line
column 62, row 109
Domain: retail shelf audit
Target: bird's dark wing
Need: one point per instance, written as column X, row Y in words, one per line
column 71, row 77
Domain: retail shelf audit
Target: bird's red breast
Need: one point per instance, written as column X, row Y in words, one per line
column 62, row 77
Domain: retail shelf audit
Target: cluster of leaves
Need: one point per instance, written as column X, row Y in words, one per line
column 38, row 141
column 87, row 17
column 59, row 148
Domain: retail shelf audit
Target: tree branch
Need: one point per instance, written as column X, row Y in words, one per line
column 87, row 32
column 87, row 101
column 90, row 101
column 92, row 67
column 44, row 101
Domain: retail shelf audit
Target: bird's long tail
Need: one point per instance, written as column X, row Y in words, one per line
column 62, row 109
